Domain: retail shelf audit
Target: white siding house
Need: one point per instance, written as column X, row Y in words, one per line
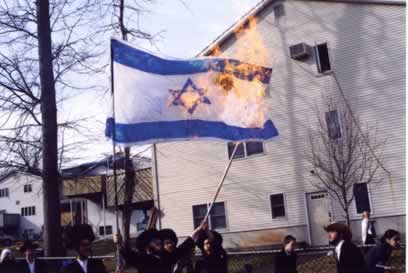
column 268, row 192
column 88, row 202
column 24, row 197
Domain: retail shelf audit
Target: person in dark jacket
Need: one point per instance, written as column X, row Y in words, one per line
column 214, row 258
column 377, row 257
column 8, row 262
column 150, row 257
column 348, row 257
column 80, row 238
column 285, row 261
column 170, row 240
column 30, row 264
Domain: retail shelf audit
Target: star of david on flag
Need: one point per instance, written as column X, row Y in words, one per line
column 157, row 99
column 197, row 96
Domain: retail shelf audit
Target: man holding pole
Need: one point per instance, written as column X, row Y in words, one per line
column 151, row 258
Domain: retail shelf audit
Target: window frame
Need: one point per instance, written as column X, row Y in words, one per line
column 244, row 143
column 284, row 206
column 318, row 60
column 210, row 225
column 336, row 136
column 103, row 228
column 4, row 193
column 28, row 188
column 28, row 211
column 370, row 203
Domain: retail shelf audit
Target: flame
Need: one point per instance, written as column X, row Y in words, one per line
column 189, row 99
column 243, row 101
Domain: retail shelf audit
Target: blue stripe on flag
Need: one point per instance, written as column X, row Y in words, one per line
column 143, row 132
column 135, row 58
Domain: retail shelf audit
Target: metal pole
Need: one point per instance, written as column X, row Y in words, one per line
column 222, row 181
column 115, row 180
column 72, row 214
column 82, row 211
column 103, row 216
column 156, row 175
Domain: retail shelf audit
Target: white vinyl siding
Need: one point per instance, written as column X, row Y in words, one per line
column 367, row 50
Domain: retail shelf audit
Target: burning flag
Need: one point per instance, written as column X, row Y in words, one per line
column 158, row 99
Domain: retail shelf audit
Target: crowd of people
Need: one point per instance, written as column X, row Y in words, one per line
column 157, row 251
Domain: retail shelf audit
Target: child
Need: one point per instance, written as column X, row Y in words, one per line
column 214, row 258
column 285, row 261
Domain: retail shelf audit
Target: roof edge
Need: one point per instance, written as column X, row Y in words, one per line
column 261, row 5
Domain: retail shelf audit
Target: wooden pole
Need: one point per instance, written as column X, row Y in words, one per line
column 222, row 181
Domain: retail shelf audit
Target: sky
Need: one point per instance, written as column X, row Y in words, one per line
column 184, row 28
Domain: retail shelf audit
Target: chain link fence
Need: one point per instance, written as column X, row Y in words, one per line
column 308, row 261
column 312, row 260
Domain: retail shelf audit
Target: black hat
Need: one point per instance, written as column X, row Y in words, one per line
column 28, row 245
column 73, row 235
column 341, row 229
column 168, row 234
column 147, row 236
column 215, row 237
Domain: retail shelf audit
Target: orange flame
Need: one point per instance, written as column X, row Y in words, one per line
column 239, row 98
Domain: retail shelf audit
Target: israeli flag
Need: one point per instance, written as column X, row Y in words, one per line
column 157, row 99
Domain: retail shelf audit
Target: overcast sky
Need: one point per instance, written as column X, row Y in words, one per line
column 185, row 27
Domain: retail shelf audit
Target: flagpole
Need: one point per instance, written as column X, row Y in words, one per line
column 115, row 177
column 221, row 181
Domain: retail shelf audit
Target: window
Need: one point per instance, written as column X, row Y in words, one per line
column 278, row 205
column 278, row 11
column 199, row 213
column 245, row 149
column 108, row 230
column 4, row 193
column 322, row 58
column 217, row 219
column 333, row 124
column 28, row 188
column 362, row 199
column 28, row 211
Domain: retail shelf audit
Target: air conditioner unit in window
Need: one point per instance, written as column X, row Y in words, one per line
column 300, row 51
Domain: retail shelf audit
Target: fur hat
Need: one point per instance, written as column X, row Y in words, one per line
column 28, row 245
column 74, row 234
column 216, row 239
column 341, row 229
column 147, row 236
column 168, row 233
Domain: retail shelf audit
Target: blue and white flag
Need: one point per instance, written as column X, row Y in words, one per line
column 158, row 99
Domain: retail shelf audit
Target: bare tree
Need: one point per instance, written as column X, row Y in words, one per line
column 43, row 46
column 342, row 153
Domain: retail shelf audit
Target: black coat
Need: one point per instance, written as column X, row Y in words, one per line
column 285, row 263
column 94, row 266
column 378, row 255
column 9, row 267
column 351, row 259
column 215, row 263
column 162, row 263
column 39, row 266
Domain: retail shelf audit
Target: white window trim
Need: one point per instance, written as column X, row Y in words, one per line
column 369, row 200
column 29, row 188
column 209, row 217
column 284, row 205
column 246, row 156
